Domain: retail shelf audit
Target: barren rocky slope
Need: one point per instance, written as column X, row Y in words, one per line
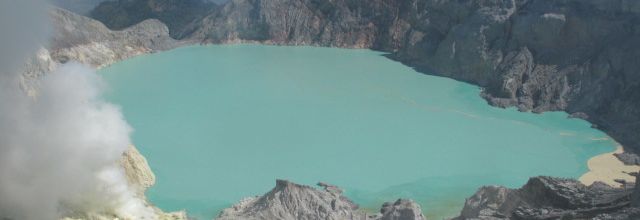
column 81, row 39
column 88, row 41
column 579, row 56
column 176, row 14
column 290, row 201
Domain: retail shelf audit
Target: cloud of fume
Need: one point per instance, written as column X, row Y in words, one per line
column 59, row 149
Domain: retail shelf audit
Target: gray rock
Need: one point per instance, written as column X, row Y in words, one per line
column 401, row 209
column 292, row 201
column 298, row 202
column 628, row 158
column 176, row 14
column 81, row 39
column 88, row 41
column 580, row 115
column 548, row 198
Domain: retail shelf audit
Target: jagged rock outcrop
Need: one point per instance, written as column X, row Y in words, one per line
column 578, row 56
column 88, row 41
column 290, row 201
column 140, row 178
column 137, row 170
column 401, row 209
column 299, row 22
column 81, row 39
column 550, row 198
column 176, row 14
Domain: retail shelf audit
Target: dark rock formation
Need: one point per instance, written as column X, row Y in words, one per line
column 401, row 209
column 550, row 198
column 628, row 157
column 290, row 201
column 176, row 14
column 579, row 56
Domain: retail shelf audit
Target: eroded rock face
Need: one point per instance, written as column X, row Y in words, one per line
column 80, row 39
column 290, row 201
column 88, row 41
column 297, row 22
column 137, row 170
column 401, row 209
column 176, row 14
column 140, row 176
column 550, row 198
column 75, row 38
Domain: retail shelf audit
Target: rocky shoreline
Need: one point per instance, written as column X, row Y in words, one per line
column 609, row 169
column 500, row 45
column 576, row 56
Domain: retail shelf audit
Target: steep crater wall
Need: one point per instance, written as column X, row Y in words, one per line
column 578, row 56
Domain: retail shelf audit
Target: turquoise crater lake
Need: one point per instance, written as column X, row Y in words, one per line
column 220, row 123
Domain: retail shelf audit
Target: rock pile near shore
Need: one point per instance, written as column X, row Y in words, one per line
column 552, row 198
column 290, row 201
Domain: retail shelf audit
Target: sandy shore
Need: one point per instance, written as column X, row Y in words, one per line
column 607, row 168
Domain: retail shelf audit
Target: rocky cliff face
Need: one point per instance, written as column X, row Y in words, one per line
column 81, row 39
column 578, row 56
column 551, row 198
column 176, row 14
column 298, row 22
column 290, row 201
column 88, row 41
column 571, row 55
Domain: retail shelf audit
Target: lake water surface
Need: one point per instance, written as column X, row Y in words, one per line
column 219, row 123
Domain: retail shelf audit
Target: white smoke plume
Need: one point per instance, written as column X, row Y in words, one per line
column 59, row 150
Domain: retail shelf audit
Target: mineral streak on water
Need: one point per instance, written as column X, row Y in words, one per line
column 219, row 123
